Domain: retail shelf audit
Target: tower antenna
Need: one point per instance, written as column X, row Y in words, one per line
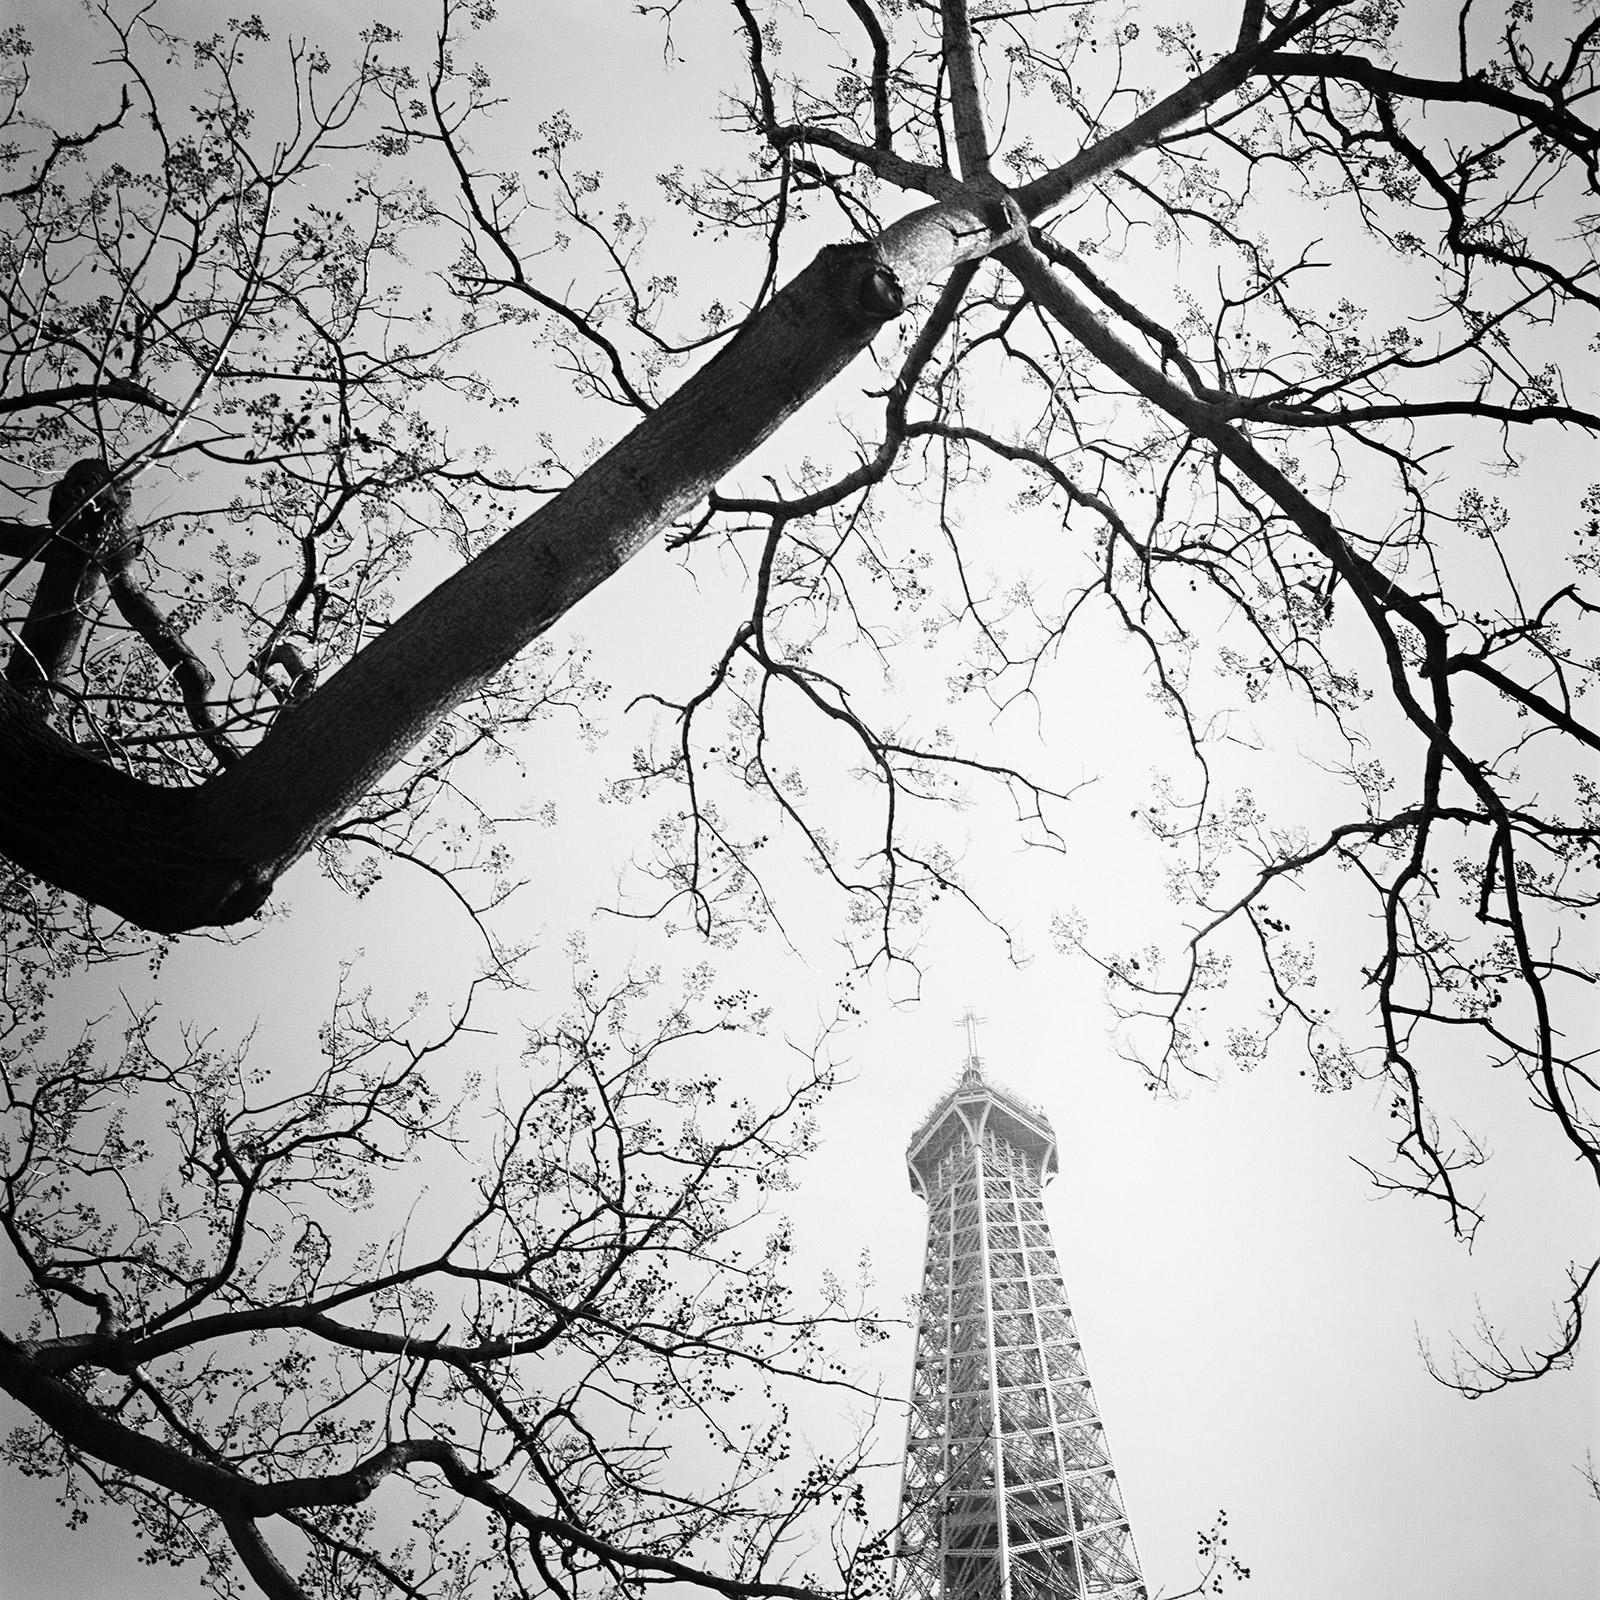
column 971, row 1021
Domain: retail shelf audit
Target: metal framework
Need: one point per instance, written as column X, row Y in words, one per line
column 1008, row 1491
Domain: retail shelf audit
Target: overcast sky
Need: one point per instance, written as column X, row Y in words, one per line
column 1251, row 1310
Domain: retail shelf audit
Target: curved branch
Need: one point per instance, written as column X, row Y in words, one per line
column 106, row 388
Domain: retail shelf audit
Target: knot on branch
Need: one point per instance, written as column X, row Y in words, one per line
column 880, row 296
column 868, row 289
column 89, row 534
column 89, row 515
column 1007, row 219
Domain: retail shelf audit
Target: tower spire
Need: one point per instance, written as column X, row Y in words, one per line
column 1008, row 1491
column 971, row 1021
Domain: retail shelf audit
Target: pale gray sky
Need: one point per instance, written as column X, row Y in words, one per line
column 1251, row 1311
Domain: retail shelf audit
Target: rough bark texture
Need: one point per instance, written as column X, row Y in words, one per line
column 90, row 829
column 175, row 859
column 88, row 533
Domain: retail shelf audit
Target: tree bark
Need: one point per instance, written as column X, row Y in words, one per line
column 174, row 859
column 88, row 532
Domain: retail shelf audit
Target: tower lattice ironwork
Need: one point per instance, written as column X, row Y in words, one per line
column 1008, row 1491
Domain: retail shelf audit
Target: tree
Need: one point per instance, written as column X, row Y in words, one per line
column 1261, row 335
column 529, row 1344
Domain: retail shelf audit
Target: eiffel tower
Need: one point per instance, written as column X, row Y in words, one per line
column 1008, row 1491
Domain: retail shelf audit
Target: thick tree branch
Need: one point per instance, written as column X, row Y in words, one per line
column 882, row 125
column 179, row 859
column 240, row 1501
column 966, row 97
column 109, row 387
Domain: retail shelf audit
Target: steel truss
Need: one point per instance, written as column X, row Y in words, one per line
column 1008, row 1491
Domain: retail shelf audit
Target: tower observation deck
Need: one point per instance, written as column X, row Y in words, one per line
column 1008, row 1491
